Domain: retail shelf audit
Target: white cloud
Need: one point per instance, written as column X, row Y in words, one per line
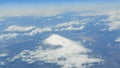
column 117, row 40
column 72, row 25
column 38, row 30
column 67, row 26
column 72, row 28
column 74, row 22
column 19, row 28
column 48, row 29
column 114, row 25
column 30, row 11
column 59, row 17
column 114, row 18
column 114, row 15
column 2, row 63
column 68, row 53
column 8, row 36
column 3, row 54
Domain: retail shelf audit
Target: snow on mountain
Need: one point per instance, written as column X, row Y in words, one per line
column 65, row 43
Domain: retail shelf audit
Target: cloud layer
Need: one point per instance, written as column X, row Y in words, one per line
column 60, row 50
column 65, row 26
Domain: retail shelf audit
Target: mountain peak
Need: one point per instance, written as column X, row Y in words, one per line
column 55, row 40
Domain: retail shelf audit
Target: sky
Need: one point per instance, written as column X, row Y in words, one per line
column 18, row 7
column 6, row 2
column 56, row 1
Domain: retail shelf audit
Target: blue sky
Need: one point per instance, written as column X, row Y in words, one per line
column 17, row 7
column 56, row 1
column 13, row 3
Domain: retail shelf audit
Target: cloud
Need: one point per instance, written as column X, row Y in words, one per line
column 60, row 50
column 2, row 63
column 114, row 25
column 39, row 30
column 117, row 40
column 49, row 29
column 59, row 17
column 114, row 18
column 8, row 36
column 30, row 11
column 19, row 28
column 73, row 23
column 45, row 10
column 70, row 28
column 32, row 30
column 114, row 15
column 66, row 26
column 3, row 54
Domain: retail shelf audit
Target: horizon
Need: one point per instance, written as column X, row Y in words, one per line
column 36, row 7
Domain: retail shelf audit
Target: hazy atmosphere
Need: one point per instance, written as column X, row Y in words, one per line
column 59, row 34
